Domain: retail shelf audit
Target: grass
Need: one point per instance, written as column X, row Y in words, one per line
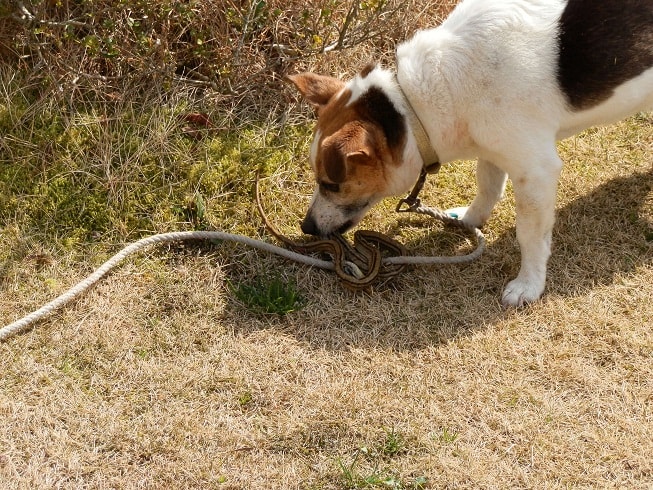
column 366, row 468
column 269, row 295
column 161, row 377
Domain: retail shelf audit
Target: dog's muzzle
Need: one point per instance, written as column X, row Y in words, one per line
column 309, row 226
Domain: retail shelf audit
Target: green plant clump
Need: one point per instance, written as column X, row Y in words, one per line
column 271, row 295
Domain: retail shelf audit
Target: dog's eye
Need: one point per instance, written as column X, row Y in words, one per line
column 329, row 187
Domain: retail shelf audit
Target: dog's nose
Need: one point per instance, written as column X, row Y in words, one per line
column 309, row 226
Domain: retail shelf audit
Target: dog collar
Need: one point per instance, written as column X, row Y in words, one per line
column 430, row 158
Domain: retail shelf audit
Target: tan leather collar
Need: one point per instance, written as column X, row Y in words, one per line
column 430, row 158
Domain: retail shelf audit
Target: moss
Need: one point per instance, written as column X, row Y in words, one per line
column 71, row 176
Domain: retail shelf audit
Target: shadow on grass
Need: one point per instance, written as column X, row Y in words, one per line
column 605, row 233
column 601, row 235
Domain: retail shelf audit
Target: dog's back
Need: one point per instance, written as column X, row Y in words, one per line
column 605, row 60
column 569, row 65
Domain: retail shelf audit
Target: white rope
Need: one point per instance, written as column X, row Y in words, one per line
column 22, row 324
column 75, row 291
column 456, row 259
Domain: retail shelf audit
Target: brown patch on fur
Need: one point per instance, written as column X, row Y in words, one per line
column 358, row 140
column 367, row 69
column 334, row 162
column 316, row 89
column 457, row 133
column 370, row 124
column 352, row 147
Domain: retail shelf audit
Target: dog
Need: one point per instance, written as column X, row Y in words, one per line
column 499, row 81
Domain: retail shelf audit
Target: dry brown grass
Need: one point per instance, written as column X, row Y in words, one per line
column 160, row 378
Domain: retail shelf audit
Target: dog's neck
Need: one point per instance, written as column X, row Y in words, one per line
column 387, row 81
column 424, row 146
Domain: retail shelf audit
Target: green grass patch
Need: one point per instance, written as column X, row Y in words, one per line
column 355, row 475
column 113, row 173
column 368, row 467
column 269, row 295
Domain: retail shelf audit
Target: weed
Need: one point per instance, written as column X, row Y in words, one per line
column 365, row 471
column 195, row 211
column 393, row 443
column 269, row 295
column 354, row 476
column 245, row 399
column 446, row 436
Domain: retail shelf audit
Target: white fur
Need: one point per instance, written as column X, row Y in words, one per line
column 484, row 85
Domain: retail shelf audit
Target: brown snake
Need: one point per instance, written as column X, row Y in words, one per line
column 358, row 266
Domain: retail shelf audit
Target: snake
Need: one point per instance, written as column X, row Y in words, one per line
column 359, row 265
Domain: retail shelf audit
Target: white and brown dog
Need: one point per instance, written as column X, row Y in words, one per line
column 499, row 80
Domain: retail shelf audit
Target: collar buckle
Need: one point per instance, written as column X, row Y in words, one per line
column 412, row 200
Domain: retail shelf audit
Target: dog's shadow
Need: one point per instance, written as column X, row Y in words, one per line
column 598, row 236
column 603, row 235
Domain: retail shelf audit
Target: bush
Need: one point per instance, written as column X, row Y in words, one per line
column 236, row 52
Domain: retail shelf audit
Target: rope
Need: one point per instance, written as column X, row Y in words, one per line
column 72, row 293
column 75, row 291
column 448, row 220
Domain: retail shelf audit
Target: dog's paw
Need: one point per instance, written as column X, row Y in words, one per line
column 458, row 213
column 473, row 218
column 520, row 292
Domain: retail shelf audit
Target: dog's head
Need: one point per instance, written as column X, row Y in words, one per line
column 359, row 153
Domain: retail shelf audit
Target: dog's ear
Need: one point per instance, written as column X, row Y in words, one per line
column 334, row 160
column 360, row 157
column 316, row 89
column 337, row 164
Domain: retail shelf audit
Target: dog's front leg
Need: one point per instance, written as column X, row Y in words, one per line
column 535, row 195
column 491, row 182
